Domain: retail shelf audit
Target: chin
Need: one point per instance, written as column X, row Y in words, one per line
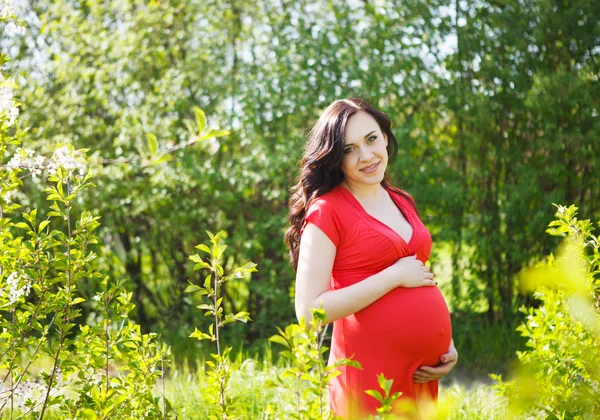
column 372, row 180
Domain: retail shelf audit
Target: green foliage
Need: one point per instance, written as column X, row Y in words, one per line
column 486, row 346
column 109, row 369
column 491, row 129
column 130, row 362
column 490, row 133
column 52, row 263
column 307, row 366
column 385, row 399
column 560, row 373
column 219, row 370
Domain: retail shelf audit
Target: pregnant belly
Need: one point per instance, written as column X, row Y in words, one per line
column 413, row 324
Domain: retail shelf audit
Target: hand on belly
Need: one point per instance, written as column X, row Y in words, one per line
column 430, row 373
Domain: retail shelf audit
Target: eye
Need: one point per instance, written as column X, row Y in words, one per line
column 369, row 140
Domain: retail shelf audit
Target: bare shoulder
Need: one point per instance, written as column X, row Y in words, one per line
column 315, row 239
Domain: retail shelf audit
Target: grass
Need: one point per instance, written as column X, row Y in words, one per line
column 254, row 385
column 457, row 403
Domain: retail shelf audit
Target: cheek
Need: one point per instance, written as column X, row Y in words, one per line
column 346, row 163
column 383, row 151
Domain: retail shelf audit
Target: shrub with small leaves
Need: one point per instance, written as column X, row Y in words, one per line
column 219, row 369
column 109, row 369
column 559, row 376
column 307, row 367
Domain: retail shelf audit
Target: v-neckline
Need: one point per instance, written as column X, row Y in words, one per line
column 362, row 209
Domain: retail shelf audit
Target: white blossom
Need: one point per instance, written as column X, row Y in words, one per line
column 13, row 29
column 13, row 196
column 32, row 390
column 69, row 160
column 6, row 9
column 7, row 105
column 23, row 158
column 25, row 391
column 62, row 157
column 13, row 289
column 6, row 93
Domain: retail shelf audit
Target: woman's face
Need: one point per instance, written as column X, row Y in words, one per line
column 365, row 154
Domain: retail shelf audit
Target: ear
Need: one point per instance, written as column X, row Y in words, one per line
column 386, row 139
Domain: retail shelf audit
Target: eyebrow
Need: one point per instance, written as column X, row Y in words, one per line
column 367, row 135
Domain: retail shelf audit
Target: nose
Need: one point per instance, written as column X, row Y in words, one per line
column 366, row 155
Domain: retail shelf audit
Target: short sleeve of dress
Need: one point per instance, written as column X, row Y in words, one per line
column 321, row 214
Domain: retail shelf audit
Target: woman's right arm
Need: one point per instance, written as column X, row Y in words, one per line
column 315, row 262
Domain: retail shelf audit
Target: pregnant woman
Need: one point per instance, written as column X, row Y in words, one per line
column 359, row 250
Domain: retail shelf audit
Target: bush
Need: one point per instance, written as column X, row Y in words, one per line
column 109, row 369
column 559, row 377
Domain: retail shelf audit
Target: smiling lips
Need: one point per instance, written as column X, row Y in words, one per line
column 371, row 168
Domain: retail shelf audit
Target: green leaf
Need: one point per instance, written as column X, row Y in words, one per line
column 192, row 288
column 318, row 314
column 200, row 262
column 204, row 248
column 152, row 143
column 88, row 414
column 54, row 197
column 207, row 282
column 130, row 344
column 279, row 340
column 218, row 133
column 374, row 394
column 31, row 217
column 200, row 119
column 200, row 335
column 43, row 225
column 242, row 316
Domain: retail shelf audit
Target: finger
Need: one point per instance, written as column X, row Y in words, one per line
column 435, row 371
column 429, row 283
column 423, row 379
column 423, row 376
column 428, row 276
column 449, row 357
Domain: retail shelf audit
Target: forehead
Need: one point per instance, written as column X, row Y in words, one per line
column 358, row 126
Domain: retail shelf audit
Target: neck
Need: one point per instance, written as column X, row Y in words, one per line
column 372, row 194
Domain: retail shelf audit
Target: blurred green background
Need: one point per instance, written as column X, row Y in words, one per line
column 494, row 105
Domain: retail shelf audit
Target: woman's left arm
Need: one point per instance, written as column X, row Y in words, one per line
column 428, row 373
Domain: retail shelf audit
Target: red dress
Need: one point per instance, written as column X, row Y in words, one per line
column 401, row 331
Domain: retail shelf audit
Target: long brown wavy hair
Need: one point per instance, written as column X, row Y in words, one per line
column 320, row 167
